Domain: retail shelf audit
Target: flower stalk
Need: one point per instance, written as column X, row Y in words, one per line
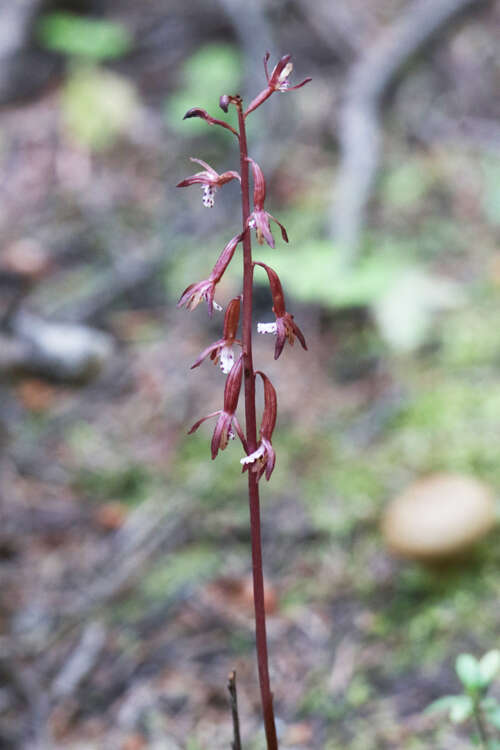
column 260, row 457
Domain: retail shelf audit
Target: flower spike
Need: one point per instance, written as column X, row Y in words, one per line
column 285, row 327
column 259, row 218
column 223, row 431
column 259, row 457
column 209, row 179
column 277, row 81
column 223, row 348
column 263, row 459
column 193, row 295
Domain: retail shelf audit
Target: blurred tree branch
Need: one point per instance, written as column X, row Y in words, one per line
column 359, row 120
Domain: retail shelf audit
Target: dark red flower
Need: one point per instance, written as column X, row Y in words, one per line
column 194, row 293
column 277, row 81
column 259, row 218
column 263, row 459
column 223, row 431
column 284, row 327
column 224, row 347
column 210, row 179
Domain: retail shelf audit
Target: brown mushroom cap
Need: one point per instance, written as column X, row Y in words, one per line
column 438, row 517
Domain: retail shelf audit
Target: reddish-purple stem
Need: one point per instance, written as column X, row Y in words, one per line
column 251, row 435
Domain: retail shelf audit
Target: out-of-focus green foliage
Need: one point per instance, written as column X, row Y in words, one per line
column 491, row 190
column 212, row 70
column 405, row 312
column 97, row 106
column 407, row 183
column 74, row 35
column 193, row 564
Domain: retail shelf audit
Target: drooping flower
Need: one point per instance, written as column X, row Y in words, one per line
column 263, row 459
column 277, row 81
column 227, row 419
column 195, row 293
column 284, row 327
column 223, row 349
column 210, row 181
column 203, row 115
column 259, row 218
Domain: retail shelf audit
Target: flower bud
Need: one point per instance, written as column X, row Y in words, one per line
column 224, row 102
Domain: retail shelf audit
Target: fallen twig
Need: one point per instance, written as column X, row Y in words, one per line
column 231, row 686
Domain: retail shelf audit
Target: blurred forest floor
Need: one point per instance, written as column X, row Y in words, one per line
column 124, row 550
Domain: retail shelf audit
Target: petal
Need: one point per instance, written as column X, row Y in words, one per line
column 225, row 258
column 283, row 230
column 279, row 308
column 227, row 177
column 233, row 386
column 209, row 169
column 232, row 319
column 269, row 415
column 266, row 59
column 263, row 229
column 278, row 69
column 281, row 337
column 220, row 437
column 299, row 85
column 185, row 295
column 285, row 72
column 259, row 185
column 267, row 328
column 299, row 334
column 196, row 179
column 226, row 359
column 209, row 350
column 271, row 458
column 208, row 196
column 253, row 456
column 203, row 419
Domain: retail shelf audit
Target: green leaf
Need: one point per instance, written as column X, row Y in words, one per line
column 461, row 709
column 489, row 666
column 442, row 704
column 493, row 716
column 467, row 668
column 93, row 38
column 489, row 703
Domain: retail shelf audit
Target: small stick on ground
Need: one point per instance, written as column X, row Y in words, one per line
column 231, row 686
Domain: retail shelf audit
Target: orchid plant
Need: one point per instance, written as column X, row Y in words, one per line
column 235, row 354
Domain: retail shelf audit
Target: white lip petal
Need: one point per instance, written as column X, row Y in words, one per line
column 226, row 359
column 216, row 306
column 253, row 456
column 267, row 328
column 208, row 196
